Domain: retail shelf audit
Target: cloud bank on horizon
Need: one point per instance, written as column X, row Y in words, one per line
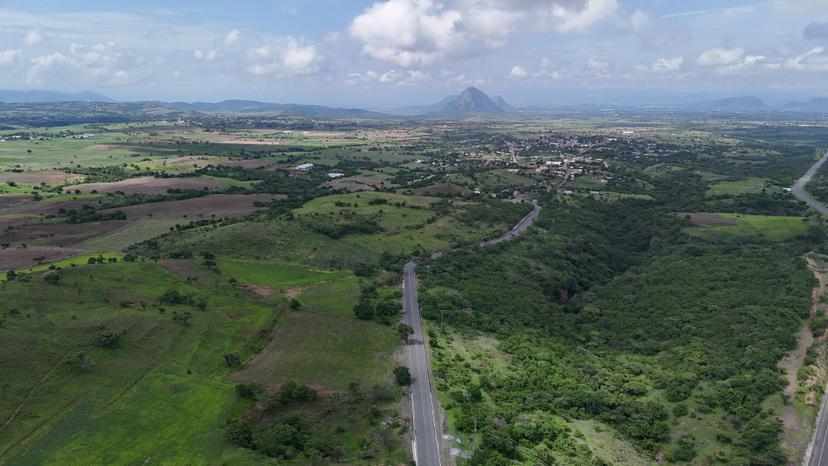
column 376, row 51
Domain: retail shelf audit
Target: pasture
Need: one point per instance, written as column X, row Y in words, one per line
column 325, row 352
column 276, row 275
column 737, row 187
column 69, row 400
column 765, row 227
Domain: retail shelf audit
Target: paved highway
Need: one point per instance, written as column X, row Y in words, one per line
column 426, row 433
column 798, row 188
column 518, row 229
column 427, row 429
column 816, row 454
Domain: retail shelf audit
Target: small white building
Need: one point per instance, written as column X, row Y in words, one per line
column 305, row 167
column 335, row 175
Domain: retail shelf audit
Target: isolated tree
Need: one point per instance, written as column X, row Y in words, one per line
column 402, row 376
column 295, row 304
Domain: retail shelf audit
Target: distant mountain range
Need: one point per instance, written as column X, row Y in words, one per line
column 729, row 103
column 253, row 107
column 470, row 102
column 815, row 105
column 36, row 96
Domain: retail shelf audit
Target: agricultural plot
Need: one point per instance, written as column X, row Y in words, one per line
column 14, row 258
column 66, row 152
column 129, row 234
column 132, row 396
column 735, row 188
column 153, row 185
column 336, row 298
column 767, row 227
column 210, row 206
column 276, row 275
column 324, row 352
column 35, row 178
column 59, row 234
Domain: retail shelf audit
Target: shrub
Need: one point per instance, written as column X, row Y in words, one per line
column 107, row 339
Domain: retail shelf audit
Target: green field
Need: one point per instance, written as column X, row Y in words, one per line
column 767, row 227
column 276, row 275
column 159, row 395
column 72, row 262
column 65, row 152
column 134, row 232
column 323, row 351
column 335, row 298
column 735, row 188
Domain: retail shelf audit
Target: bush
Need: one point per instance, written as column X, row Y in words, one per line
column 107, row 339
column 250, row 391
column 680, row 410
column 683, row 452
column 173, row 297
column 402, row 376
column 294, row 392
column 232, row 360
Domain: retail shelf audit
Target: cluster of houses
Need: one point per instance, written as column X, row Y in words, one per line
column 15, row 137
column 309, row 166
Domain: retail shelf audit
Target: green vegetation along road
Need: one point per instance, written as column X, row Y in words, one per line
column 816, row 455
column 427, row 433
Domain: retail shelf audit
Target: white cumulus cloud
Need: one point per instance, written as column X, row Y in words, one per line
column 232, row 37
column 208, row 55
column 664, row 65
column 408, row 32
column 8, row 57
column 33, row 37
column 412, row 33
column 290, row 57
column 579, row 17
column 720, row 56
column 518, row 72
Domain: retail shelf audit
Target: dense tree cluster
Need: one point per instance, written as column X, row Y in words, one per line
column 607, row 311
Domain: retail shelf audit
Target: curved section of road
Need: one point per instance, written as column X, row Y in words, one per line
column 816, row 454
column 427, row 431
column 798, row 188
column 518, row 229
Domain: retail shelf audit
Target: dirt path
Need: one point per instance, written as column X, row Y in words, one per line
column 793, row 360
column 796, row 422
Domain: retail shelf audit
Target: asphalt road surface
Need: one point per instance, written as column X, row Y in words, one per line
column 816, row 454
column 427, row 451
column 426, row 434
column 518, row 229
column 798, row 188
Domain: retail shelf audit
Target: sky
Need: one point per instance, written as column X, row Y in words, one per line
column 385, row 53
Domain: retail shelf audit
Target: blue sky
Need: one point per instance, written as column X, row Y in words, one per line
column 390, row 52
